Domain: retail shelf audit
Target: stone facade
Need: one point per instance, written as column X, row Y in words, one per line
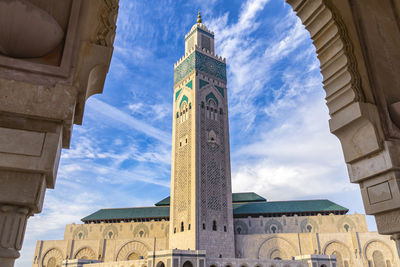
column 256, row 244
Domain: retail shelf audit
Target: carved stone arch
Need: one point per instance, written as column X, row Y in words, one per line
column 306, row 224
column 141, row 230
column 276, row 254
column 85, row 253
column 341, row 225
column 240, row 228
column 80, row 232
column 273, row 243
column 127, row 249
column 377, row 245
column 110, row 232
column 333, row 247
column 53, row 253
column 268, row 228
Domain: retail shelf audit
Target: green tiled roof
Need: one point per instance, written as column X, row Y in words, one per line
column 257, row 207
column 128, row 213
column 164, row 202
column 296, row 206
column 236, row 198
column 247, row 197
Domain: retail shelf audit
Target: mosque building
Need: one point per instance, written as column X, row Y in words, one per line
column 204, row 224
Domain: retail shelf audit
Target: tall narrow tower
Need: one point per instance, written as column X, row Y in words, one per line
column 201, row 194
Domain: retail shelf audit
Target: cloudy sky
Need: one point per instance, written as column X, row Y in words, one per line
column 281, row 146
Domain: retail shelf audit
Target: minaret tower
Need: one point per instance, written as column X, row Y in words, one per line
column 201, row 194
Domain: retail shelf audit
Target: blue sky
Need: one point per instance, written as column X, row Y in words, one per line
column 281, row 146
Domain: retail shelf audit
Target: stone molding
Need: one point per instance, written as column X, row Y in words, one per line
column 354, row 98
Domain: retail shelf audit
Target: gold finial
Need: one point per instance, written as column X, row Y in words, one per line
column 199, row 18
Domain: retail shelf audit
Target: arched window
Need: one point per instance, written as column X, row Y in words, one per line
column 224, row 228
column 204, row 226
column 202, row 104
column 273, row 229
column 309, row 228
column 214, row 227
column 175, row 230
column 182, row 227
column 346, row 227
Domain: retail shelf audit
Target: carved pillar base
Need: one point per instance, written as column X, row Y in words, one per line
column 12, row 230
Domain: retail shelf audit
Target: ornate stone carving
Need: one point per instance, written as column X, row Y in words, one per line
column 53, row 257
column 141, row 230
column 110, row 232
column 308, row 225
column 13, row 223
column 240, row 228
column 80, row 232
column 201, row 62
column 105, row 32
column 273, row 226
column 268, row 246
column 127, row 249
column 85, row 253
column 376, row 245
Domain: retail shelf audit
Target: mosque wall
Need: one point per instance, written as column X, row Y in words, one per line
column 118, row 242
column 350, row 248
column 301, row 224
column 104, row 241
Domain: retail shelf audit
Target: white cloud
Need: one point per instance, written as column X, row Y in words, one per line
column 116, row 115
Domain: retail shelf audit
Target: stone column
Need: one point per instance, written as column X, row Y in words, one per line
column 53, row 56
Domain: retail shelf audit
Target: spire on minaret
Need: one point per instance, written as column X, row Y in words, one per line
column 199, row 17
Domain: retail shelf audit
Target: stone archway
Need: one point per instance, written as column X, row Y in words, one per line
column 52, row 258
column 378, row 251
column 85, row 253
column 276, row 247
column 132, row 250
column 160, row 264
column 341, row 251
column 364, row 108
